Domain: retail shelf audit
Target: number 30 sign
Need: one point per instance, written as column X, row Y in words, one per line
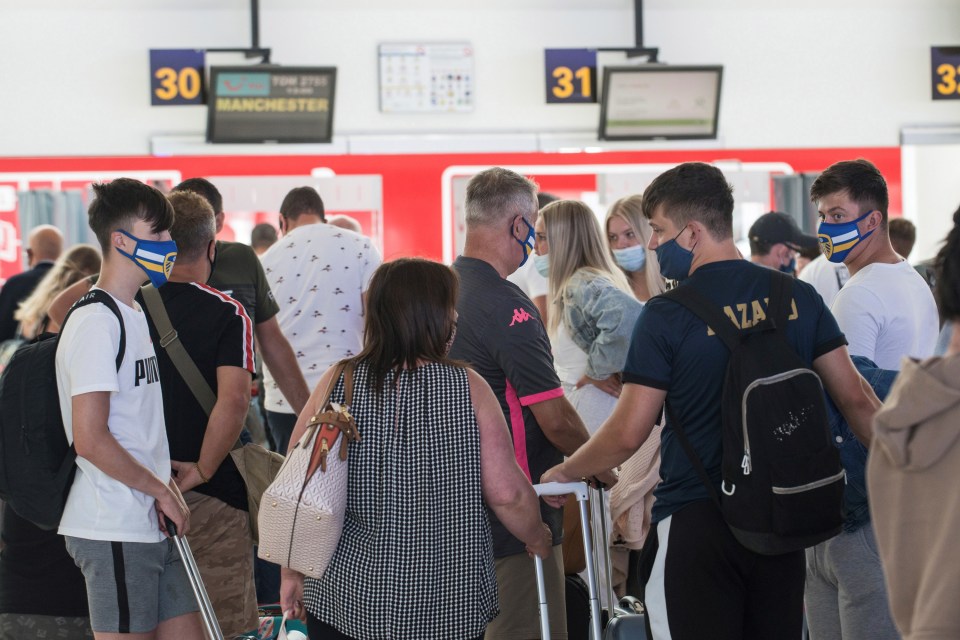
column 571, row 75
column 176, row 76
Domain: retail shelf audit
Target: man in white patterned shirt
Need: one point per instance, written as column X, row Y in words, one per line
column 318, row 274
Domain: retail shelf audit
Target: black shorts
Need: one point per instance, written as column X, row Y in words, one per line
column 703, row 584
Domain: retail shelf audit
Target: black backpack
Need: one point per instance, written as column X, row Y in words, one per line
column 782, row 481
column 37, row 465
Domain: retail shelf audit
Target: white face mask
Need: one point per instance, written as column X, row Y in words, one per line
column 632, row 258
column 542, row 264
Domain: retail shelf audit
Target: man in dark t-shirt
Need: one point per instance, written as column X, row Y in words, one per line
column 501, row 335
column 703, row 582
column 217, row 334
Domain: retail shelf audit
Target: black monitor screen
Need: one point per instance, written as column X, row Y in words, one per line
column 660, row 102
column 271, row 104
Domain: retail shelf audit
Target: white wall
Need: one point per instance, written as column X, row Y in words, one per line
column 797, row 74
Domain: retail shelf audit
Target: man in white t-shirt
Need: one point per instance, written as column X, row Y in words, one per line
column 113, row 521
column 318, row 274
column 886, row 312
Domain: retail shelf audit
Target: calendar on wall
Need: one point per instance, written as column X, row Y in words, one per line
column 426, row 78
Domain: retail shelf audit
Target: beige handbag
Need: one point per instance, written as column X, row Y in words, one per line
column 301, row 514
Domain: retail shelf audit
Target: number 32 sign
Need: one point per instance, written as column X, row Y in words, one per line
column 945, row 64
column 176, row 76
column 571, row 75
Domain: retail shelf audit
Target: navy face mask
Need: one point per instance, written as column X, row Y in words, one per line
column 675, row 261
column 528, row 243
column 790, row 268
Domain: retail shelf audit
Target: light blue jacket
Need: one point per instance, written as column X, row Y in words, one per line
column 600, row 318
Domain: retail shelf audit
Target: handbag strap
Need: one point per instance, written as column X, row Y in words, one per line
column 186, row 367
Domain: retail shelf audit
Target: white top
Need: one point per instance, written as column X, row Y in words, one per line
column 99, row 507
column 569, row 360
column 826, row 277
column 529, row 279
column 887, row 312
column 318, row 274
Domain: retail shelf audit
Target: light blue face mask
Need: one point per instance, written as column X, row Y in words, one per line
column 632, row 258
column 528, row 243
column 837, row 239
column 542, row 264
column 155, row 257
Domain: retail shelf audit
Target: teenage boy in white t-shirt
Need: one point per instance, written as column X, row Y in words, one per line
column 114, row 517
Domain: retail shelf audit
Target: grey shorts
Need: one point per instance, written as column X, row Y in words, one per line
column 132, row 586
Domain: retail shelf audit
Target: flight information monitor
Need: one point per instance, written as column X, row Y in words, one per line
column 652, row 102
column 271, row 104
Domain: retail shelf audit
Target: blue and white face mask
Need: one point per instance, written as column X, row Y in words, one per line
column 528, row 243
column 632, row 258
column 155, row 257
column 542, row 264
column 837, row 239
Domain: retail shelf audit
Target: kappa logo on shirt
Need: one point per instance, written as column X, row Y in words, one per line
column 520, row 315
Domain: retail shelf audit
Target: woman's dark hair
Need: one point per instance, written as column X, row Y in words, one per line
column 947, row 288
column 409, row 316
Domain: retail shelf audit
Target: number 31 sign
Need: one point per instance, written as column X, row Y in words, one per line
column 176, row 76
column 571, row 75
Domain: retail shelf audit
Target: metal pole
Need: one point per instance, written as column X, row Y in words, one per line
column 255, row 23
column 637, row 22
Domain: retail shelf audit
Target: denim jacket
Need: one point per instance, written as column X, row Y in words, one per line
column 853, row 455
column 600, row 318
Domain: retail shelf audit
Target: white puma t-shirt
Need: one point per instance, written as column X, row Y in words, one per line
column 99, row 507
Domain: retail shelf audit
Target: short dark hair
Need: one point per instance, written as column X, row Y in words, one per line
column 205, row 188
column 302, row 200
column 903, row 235
column 409, row 316
column 263, row 235
column 693, row 191
column 760, row 248
column 947, row 288
column 118, row 203
column 544, row 198
column 860, row 180
column 194, row 224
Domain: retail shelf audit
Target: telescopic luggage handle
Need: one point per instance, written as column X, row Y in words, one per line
column 209, row 616
column 580, row 491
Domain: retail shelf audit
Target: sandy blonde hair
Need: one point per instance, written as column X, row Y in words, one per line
column 77, row 263
column 576, row 242
column 630, row 209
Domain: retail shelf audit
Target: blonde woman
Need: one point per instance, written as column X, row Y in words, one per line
column 628, row 234
column 591, row 306
column 79, row 262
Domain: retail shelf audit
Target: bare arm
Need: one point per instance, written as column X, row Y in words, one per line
column 505, row 487
column 94, row 442
column 852, row 394
column 223, row 427
column 540, row 302
column 561, row 424
column 62, row 303
column 625, row 431
column 279, row 357
column 310, row 408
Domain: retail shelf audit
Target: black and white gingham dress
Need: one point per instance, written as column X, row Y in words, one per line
column 415, row 560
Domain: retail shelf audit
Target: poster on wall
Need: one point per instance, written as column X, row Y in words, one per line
column 426, row 78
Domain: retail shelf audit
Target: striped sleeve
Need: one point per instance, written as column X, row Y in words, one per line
column 236, row 348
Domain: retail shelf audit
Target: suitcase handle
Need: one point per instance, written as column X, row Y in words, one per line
column 209, row 616
column 580, row 490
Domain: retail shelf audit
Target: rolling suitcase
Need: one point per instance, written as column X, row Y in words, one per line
column 210, row 623
column 622, row 624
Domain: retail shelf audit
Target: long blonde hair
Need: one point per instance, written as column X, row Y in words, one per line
column 630, row 210
column 77, row 263
column 576, row 242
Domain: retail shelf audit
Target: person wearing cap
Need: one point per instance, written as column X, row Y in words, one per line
column 886, row 312
column 775, row 240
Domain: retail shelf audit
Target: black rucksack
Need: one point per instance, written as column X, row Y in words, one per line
column 782, row 481
column 37, row 465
